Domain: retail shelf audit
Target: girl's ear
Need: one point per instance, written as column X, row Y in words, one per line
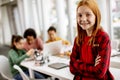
column 14, row 43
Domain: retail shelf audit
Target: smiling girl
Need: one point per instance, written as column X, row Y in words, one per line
column 91, row 52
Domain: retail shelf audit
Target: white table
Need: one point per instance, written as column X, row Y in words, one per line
column 115, row 59
column 115, row 52
column 115, row 64
column 115, row 72
column 62, row 74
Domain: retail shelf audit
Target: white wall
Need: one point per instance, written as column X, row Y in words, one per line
column 5, row 26
column 104, row 14
column 0, row 26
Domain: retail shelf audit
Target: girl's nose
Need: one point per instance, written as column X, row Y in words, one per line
column 83, row 18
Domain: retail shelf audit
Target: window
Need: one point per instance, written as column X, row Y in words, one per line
column 115, row 19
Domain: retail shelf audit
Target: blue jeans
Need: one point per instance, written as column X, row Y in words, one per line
column 36, row 74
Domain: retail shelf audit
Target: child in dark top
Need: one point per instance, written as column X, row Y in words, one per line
column 91, row 52
column 17, row 55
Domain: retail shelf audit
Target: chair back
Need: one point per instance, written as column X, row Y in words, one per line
column 24, row 76
column 115, row 44
column 5, row 68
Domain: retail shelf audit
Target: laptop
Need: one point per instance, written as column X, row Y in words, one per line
column 52, row 48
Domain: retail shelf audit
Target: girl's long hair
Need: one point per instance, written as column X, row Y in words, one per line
column 82, row 33
column 15, row 38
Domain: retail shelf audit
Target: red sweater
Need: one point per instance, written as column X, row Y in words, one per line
column 82, row 59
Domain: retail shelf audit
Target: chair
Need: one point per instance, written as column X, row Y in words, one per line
column 4, row 68
column 24, row 76
column 115, row 44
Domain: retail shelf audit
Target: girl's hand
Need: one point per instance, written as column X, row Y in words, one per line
column 30, row 52
column 97, row 60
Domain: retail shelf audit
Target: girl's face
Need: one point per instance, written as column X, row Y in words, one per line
column 20, row 44
column 85, row 18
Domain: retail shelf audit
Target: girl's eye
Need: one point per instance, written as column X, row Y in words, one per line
column 79, row 15
column 88, row 14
